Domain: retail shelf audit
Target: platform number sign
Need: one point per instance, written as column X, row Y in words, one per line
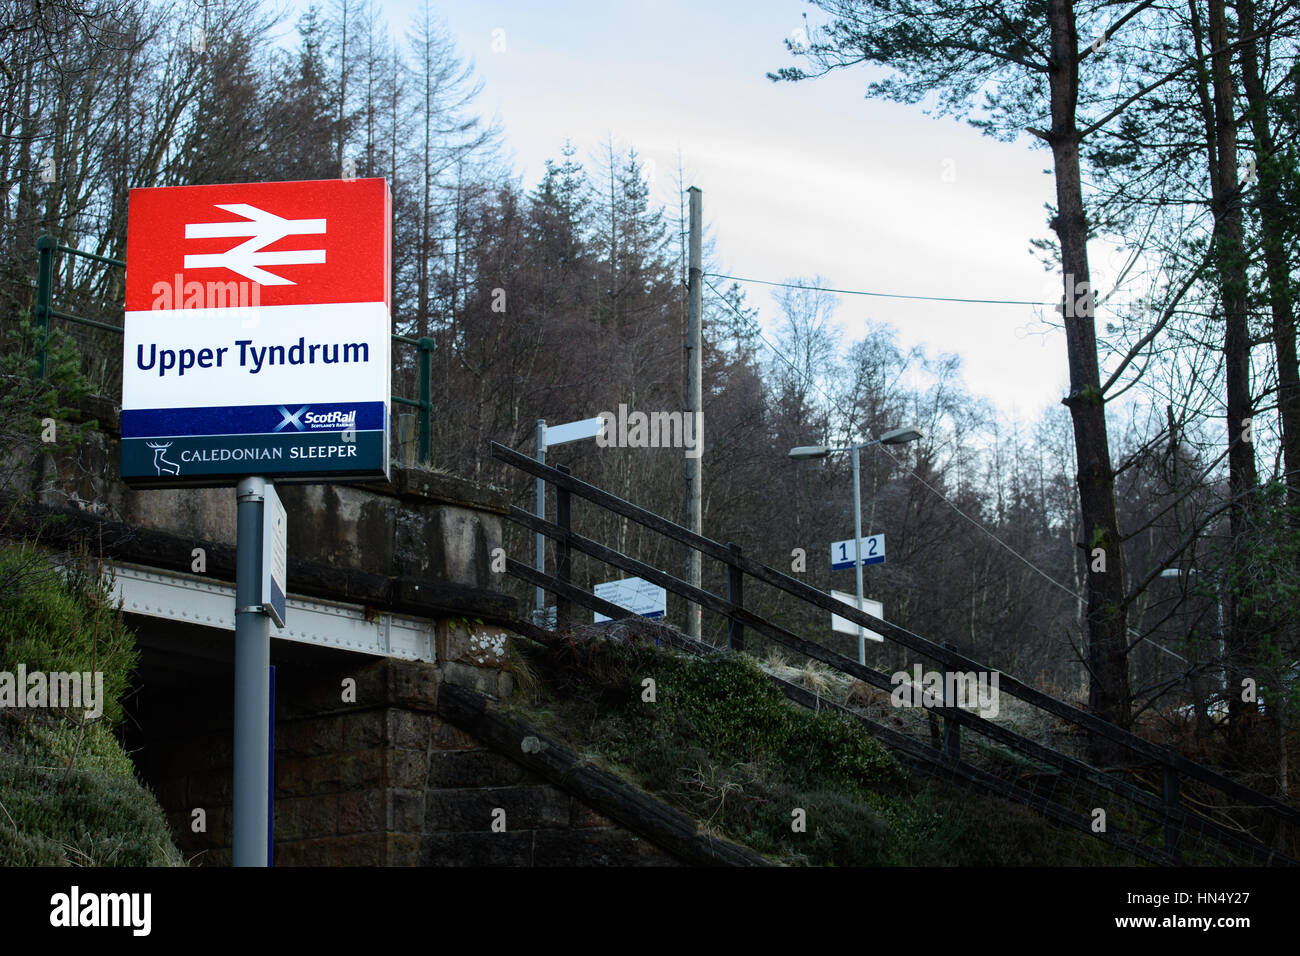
column 873, row 552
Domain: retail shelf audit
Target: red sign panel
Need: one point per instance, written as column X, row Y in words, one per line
column 300, row 243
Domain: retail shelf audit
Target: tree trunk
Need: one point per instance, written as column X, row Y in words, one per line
column 340, row 123
column 1241, row 636
column 1272, row 227
column 1282, row 309
column 1107, row 653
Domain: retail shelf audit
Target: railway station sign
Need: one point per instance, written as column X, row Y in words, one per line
column 257, row 329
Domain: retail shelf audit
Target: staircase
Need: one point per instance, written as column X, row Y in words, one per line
column 1152, row 803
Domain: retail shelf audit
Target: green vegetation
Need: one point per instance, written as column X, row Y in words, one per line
column 63, row 620
column 720, row 742
column 37, row 416
column 68, row 793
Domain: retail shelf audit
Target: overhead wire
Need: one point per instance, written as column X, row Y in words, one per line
column 910, row 471
column 881, row 295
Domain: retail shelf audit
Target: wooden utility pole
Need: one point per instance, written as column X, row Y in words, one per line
column 694, row 403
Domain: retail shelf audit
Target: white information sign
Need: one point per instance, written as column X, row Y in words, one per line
column 845, row 626
column 636, row 594
column 275, row 554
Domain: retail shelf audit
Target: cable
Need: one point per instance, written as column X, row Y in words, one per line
column 942, row 497
column 882, row 295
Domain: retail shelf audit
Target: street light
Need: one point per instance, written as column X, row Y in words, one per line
column 548, row 437
column 897, row 436
column 1218, row 610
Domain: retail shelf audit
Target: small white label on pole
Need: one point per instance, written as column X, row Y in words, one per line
column 845, row 626
column 873, row 552
column 636, row 594
column 275, row 554
column 573, row 431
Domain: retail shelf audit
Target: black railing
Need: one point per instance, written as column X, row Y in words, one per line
column 1225, row 822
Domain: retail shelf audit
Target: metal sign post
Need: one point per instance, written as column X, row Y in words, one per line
column 541, row 513
column 252, row 681
column 240, row 358
column 261, row 555
column 857, row 551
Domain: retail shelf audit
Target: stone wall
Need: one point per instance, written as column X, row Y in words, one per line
column 382, row 781
column 419, row 528
column 372, row 779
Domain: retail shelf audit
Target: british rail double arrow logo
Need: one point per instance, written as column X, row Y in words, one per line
column 247, row 258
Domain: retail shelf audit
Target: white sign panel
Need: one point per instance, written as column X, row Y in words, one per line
column 573, row 431
column 873, row 552
column 845, row 626
column 275, row 554
column 636, row 594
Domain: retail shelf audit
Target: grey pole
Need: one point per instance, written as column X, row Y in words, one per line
column 857, row 550
column 252, row 682
column 694, row 398
column 541, row 513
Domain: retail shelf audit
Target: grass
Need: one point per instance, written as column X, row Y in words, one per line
column 55, row 811
column 720, row 742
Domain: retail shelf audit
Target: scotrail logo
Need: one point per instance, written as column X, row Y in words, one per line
column 335, row 419
column 292, row 418
column 302, row 420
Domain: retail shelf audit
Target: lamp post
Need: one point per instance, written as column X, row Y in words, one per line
column 1177, row 573
column 896, row 437
column 548, row 437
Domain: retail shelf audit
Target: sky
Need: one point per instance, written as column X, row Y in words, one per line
column 798, row 179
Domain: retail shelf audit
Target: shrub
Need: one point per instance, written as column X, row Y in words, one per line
column 68, row 793
column 723, row 744
column 54, row 619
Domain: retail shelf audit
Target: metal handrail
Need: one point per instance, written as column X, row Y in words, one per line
column 737, row 565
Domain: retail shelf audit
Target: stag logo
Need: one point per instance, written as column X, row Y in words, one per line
column 160, row 462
